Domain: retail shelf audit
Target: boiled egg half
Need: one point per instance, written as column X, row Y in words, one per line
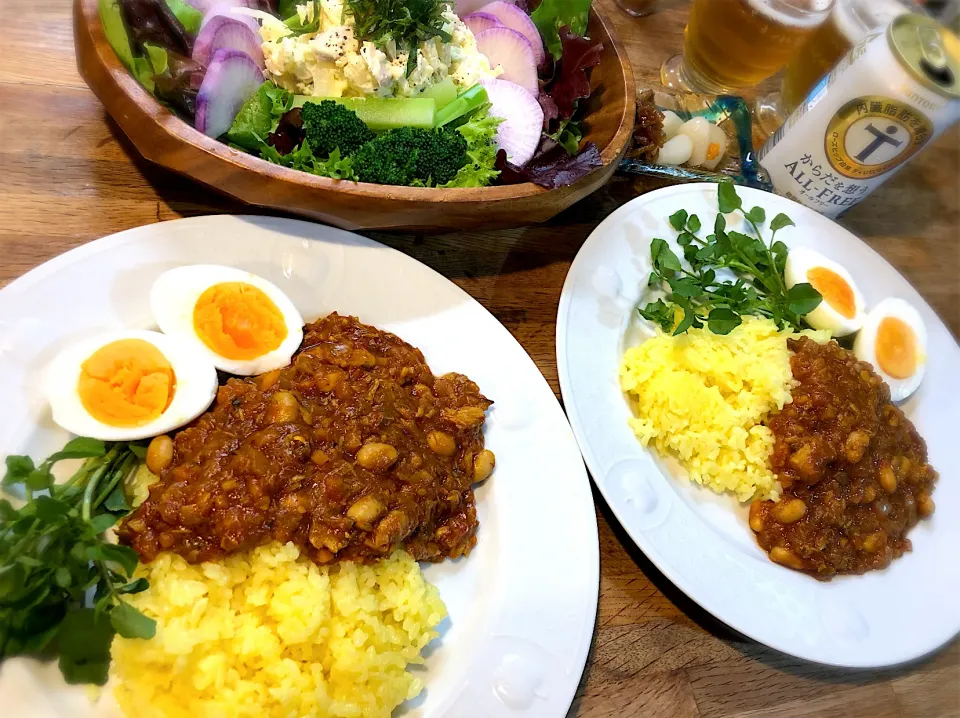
column 708, row 142
column 244, row 324
column 696, row 142
column 841, row 311
column 129, row 385
column 894, row 340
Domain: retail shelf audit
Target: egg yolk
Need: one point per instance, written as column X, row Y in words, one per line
column 834, row 289
column 896, row 348
column 128, row 382
column 238, row 321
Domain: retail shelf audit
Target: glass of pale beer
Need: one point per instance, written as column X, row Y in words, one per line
column 734, row 45
column 850, row 22
column 638, row 8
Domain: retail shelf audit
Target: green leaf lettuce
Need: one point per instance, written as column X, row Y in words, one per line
column 551, row 15
column 480, row 133
column 259, row 116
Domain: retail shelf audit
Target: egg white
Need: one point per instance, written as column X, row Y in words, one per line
column 698, row 130
column 800, row 261
column 196, row 386
column 175, row 293
column 865, row 345
column 675, row 151
column 672, row 122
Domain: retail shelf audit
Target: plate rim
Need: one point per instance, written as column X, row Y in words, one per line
column 309, row 231
column 573, row 415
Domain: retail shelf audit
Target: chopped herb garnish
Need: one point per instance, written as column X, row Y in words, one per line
column 53, row 555
column 407, row 22
column 311, row 22
column 697, row 296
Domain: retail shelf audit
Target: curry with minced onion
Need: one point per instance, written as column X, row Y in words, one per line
column 853, row 468
column 352, row 450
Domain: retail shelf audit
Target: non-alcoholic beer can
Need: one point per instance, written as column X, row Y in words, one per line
column 891, row 95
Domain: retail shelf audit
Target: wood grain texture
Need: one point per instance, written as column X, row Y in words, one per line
column 166, row 140
column 67, row 176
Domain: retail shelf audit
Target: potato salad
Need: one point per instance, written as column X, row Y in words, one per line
column 334, row 62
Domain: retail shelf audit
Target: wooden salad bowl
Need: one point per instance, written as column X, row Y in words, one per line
column 165, row 139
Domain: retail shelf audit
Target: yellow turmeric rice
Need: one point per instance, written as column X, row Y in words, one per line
column 702, row 398
column 268, row 634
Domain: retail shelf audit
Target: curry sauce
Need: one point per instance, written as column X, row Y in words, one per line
column 352, row 450
column 853, row 468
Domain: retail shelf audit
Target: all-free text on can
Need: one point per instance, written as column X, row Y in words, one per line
column 893, row 94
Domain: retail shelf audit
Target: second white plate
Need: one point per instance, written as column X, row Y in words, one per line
column 701, row 541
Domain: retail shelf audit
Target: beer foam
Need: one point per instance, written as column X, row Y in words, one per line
column 774, row 10
column 857, row 18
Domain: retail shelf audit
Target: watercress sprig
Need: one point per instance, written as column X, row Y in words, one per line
column 696, row 295
column 61, row 583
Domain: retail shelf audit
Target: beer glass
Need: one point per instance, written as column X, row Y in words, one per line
column 734, row 45
column 850, row 22
column 638, row 8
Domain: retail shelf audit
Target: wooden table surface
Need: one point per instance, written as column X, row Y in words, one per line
column 68, row 176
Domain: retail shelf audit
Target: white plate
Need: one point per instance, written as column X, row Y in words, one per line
column 522, row 605
column 701, row 541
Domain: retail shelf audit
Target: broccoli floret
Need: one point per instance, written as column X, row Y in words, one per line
column 329, row 126
column 410, row 155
